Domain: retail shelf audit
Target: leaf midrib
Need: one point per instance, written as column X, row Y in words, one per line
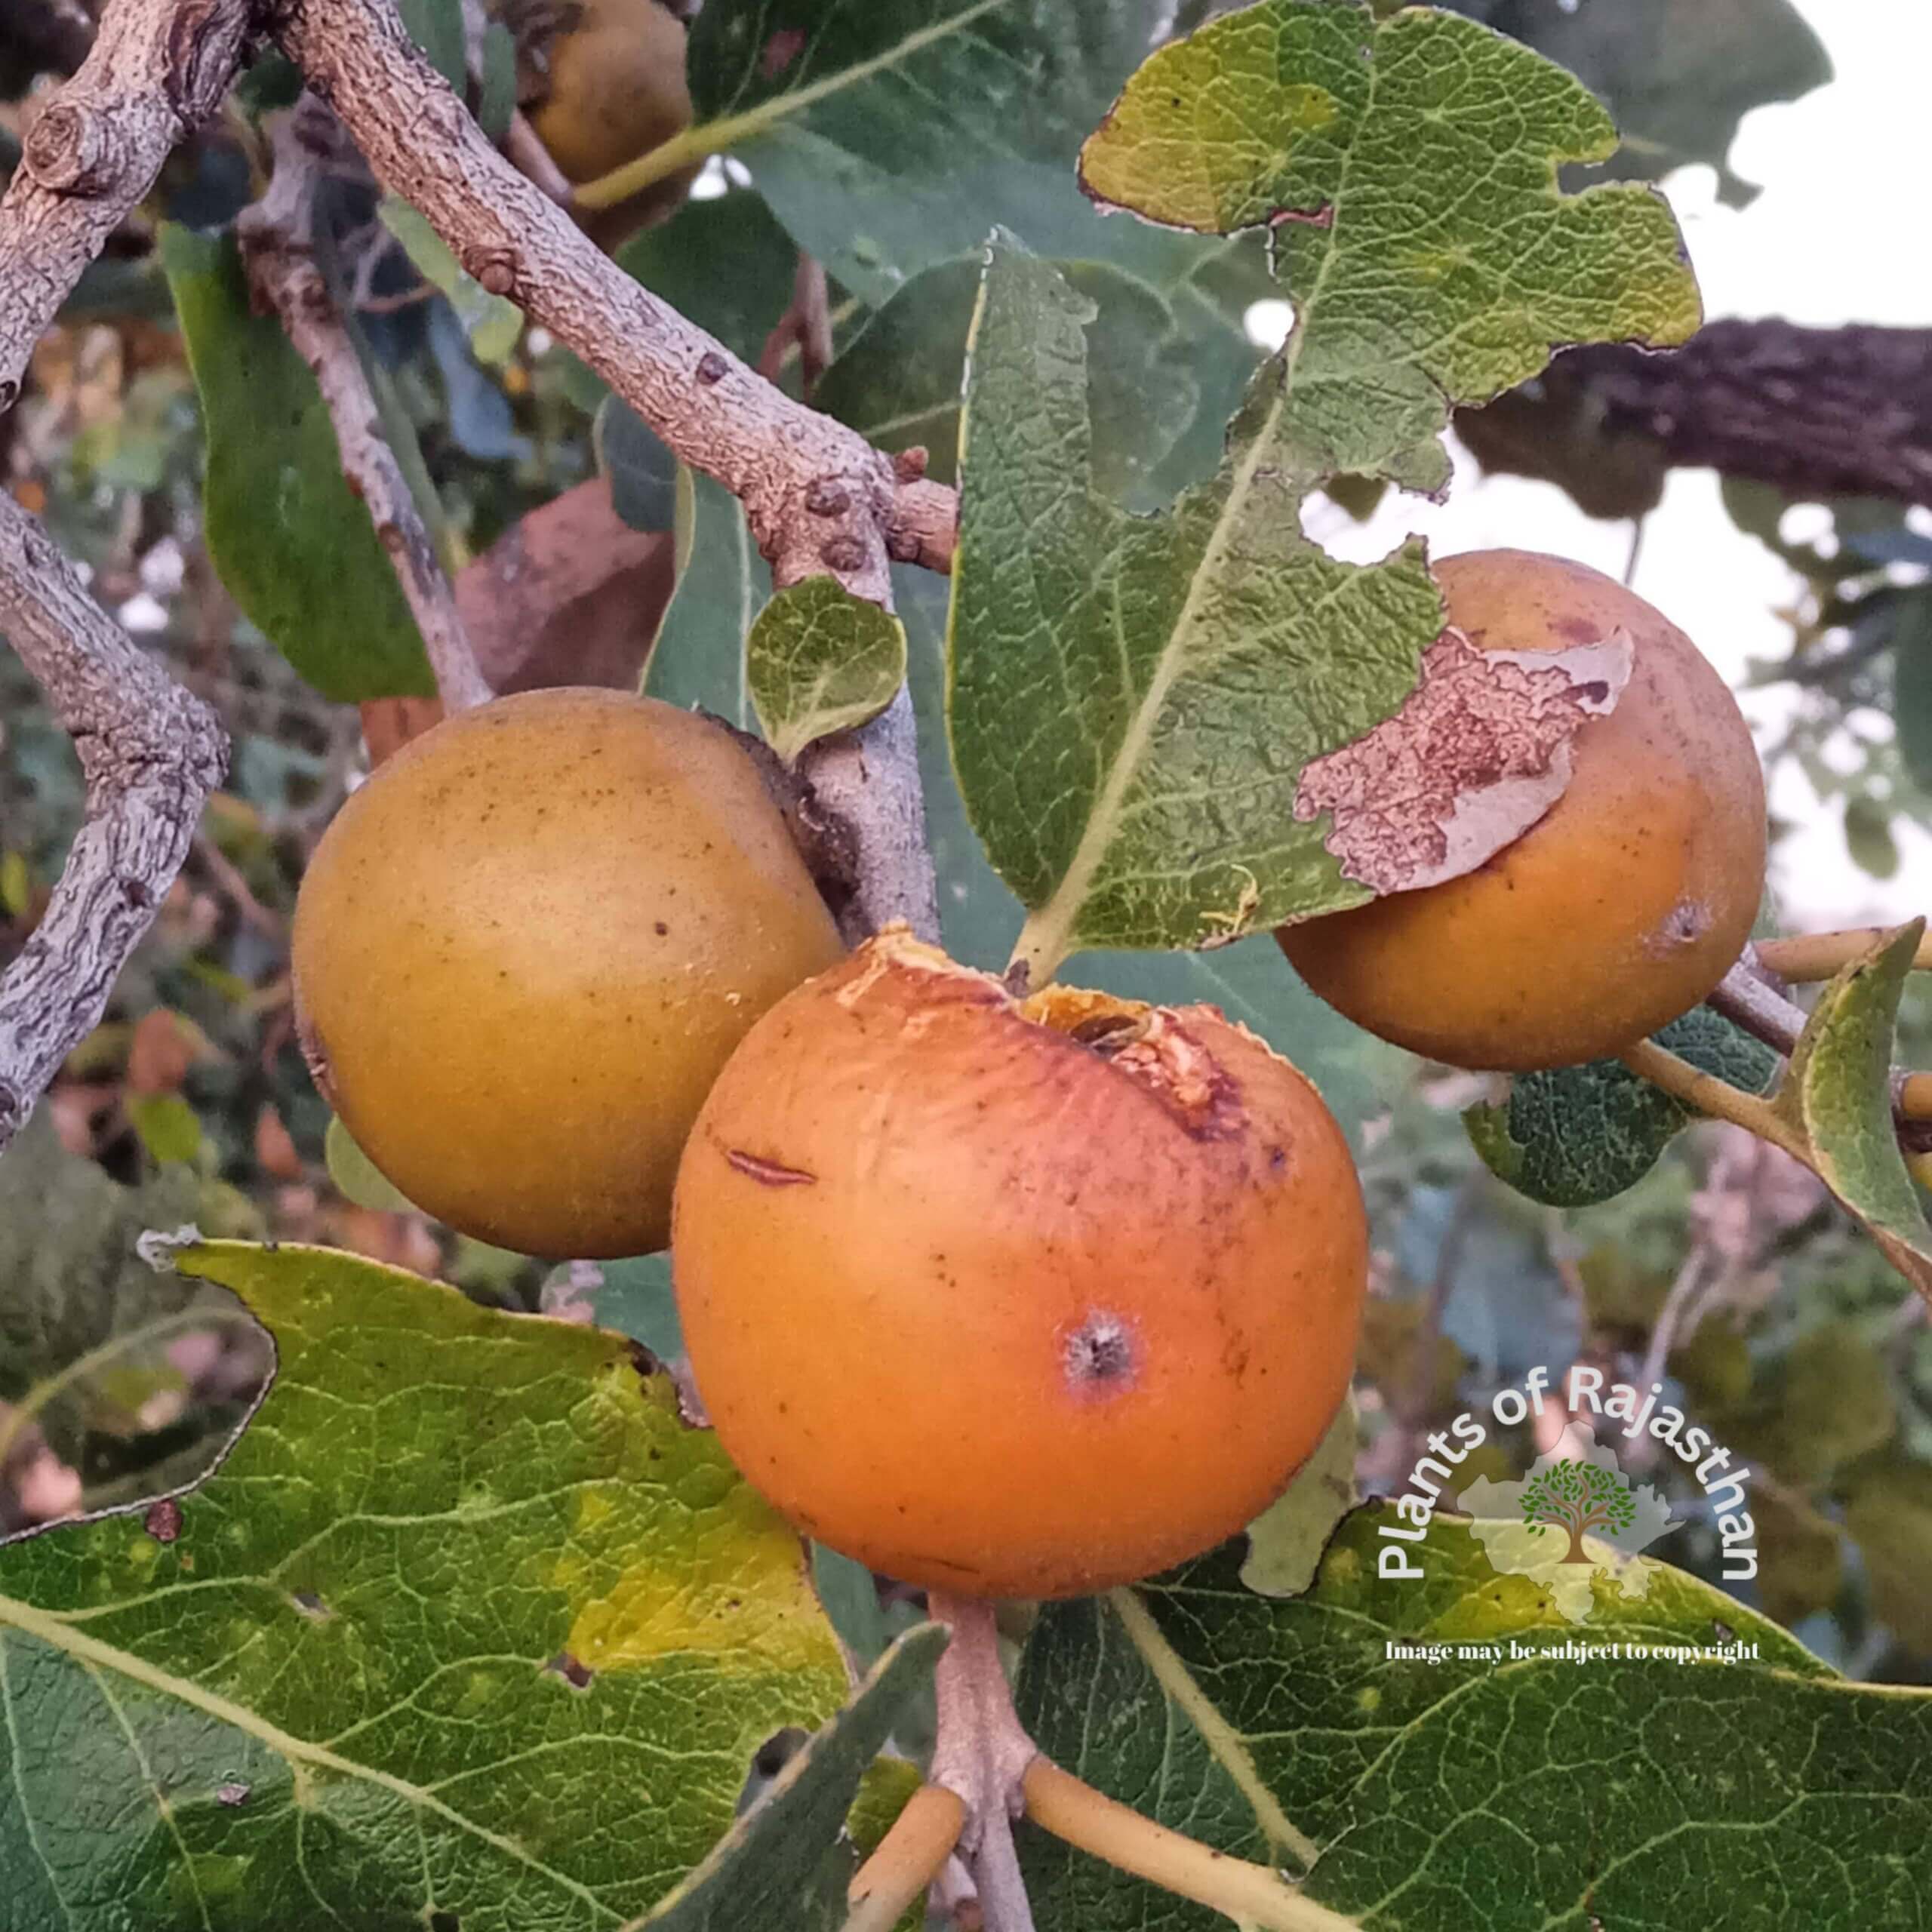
column 301, row 1755
column 1048, row 936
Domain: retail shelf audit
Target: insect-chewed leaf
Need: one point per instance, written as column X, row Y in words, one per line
column 1839, row 1091
column 295, row 548
column 468, row 1627
column 820, row 660
column 1578, row 1135
column 1529, row 1787
column 1134, row 702
column 781, row 1864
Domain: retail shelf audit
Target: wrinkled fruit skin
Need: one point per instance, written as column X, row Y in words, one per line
column 617, row 89
column 525, row 947
column 1014, row 1299
column 1618, row 910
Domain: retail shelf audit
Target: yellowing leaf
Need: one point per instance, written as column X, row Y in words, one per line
column 340, row 1687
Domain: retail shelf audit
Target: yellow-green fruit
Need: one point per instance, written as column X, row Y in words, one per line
column 1618, row 910
column 524, row 948
column 617, row 87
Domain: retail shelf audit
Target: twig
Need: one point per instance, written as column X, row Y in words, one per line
column 805, row 326
column 158, row 68
column 1707, row 1094
column 277, row 243
column 1802, row 957
column 525, row 146
column 907, row 1859
column 151, row 754
column 819, row 498
column 981, row 1754
column 1249, row 1893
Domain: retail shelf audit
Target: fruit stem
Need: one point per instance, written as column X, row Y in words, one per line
column 907, row 1859
column 1251, row 1894
column 982, row 1754
column 1802, row 957
column 1717, row 1098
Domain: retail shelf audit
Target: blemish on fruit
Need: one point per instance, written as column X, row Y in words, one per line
column 769, row 1173
column 1098, row 1355
column 1686, row 922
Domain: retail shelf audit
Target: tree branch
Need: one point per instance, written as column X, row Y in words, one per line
column 158, row 68
column 151, row 754
column 820, row 499
column 277, row 237
column 1816, row 412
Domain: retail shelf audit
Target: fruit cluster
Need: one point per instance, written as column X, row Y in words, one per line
column 1006, row 1296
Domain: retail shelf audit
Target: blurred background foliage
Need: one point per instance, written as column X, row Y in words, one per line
column 1724, row 1276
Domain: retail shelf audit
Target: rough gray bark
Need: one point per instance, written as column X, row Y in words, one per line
column 1816, row 412
column 151, row 754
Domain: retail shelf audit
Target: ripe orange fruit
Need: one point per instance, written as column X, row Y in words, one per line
column 1014, row 1297
column 525, row 947
column 1618, row 910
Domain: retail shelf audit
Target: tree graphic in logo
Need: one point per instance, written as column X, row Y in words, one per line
column 1579, row 1497
column 1575, row 1521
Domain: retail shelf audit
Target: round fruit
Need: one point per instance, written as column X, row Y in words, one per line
column 617, row 87
column 1014, row 1297
column 525, row 947
column 1620, row 908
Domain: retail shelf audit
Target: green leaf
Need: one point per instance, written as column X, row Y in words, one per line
column 1285, row 1542
column 1578, row 1135
column 1912, row 688
column 1838, row 1091
column 819, row 660
column 496, row 95
column 1679, row 78
column 1443, row 1793
column 436, row 27
column 73, row 1290
column 492, row 323
column 891, row 135
column 781, row 1864
column 898, row 380
column 468, row 1623
column 643, row 473
column 1169, row 678
column 292, row 543
column 357, row 1178
column 636, row 1300
column 166, row 1125
column 1358, row 1075
column 698, row 659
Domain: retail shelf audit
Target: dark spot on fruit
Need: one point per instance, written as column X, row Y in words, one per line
column 1098, row 1355
column 662, row 930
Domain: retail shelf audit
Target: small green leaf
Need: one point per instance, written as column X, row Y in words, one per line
column 698, row 659
column 1578, row 1135
column 492, row 322
column 497, row 91
column 819, row 659
column 643, row 473
column 468, row 1626
column 1838, row 1092
column 782, row 1864
column 167, row 1126
column 1285, row 1542
column 436, row 27
column 292, row 543
column 357, row 1178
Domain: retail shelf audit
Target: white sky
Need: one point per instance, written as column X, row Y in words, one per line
column 1832, row 238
